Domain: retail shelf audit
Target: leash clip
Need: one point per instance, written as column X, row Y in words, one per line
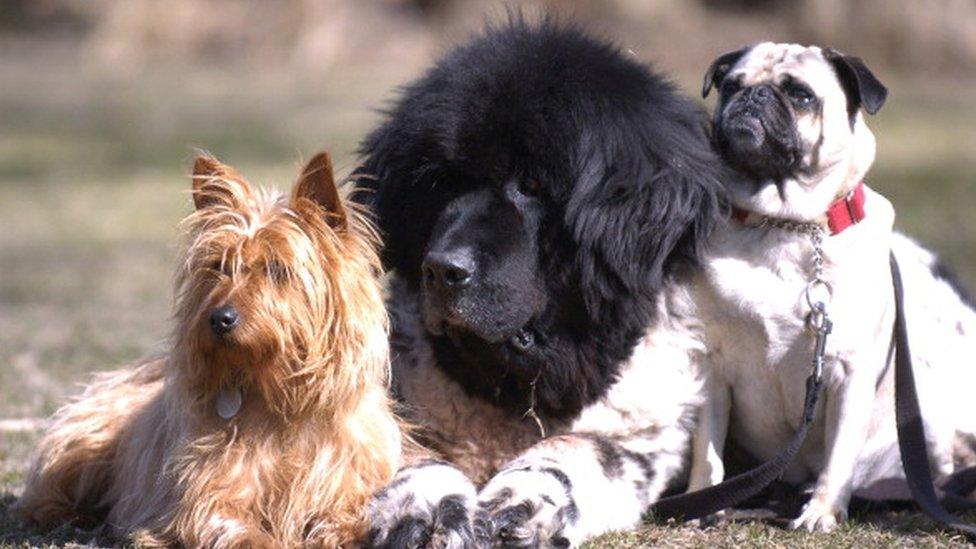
column 822, row 326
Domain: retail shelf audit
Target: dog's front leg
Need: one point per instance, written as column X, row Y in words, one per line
column 848, row 406
column 221, row 521
column 707, row 468
column 567, row 489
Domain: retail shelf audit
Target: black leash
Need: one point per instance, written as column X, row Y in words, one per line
column 705, row 502
column 911, row 431
column 911, row 443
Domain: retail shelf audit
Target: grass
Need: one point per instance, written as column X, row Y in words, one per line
column 890, row 530
column 92, row 185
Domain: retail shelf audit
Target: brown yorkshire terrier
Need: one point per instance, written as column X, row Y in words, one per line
column 268, row 424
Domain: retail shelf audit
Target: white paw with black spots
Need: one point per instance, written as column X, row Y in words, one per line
column 426, row 506
column 527, row 507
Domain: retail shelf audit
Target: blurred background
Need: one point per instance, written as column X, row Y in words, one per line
column 102, row 104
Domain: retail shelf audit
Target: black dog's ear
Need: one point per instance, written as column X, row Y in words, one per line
column 859, row 83
column 394, row 183
column 720, row 67
column 652, row 209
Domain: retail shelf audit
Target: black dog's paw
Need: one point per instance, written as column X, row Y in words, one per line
column 424, row 507
column 527, row 508
column 446, row 526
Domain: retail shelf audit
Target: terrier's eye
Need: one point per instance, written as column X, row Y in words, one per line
column 220, row 267
column 530, row 187
column 277, row 271
column 729, row 87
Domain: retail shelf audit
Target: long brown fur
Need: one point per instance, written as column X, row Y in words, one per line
column 144, row 448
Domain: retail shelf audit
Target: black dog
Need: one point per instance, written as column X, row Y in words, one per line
column 536, row 190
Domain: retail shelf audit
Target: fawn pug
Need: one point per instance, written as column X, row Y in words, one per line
column 789, row 120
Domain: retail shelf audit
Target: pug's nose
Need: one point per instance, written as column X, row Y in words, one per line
column 448, row 270
column 761, row 94
column 224, row 319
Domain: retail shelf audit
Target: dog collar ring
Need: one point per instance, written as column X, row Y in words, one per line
column 813, row 288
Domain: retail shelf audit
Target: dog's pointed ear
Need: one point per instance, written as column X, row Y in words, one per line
column 720, row 67
column 216, row 183
column 317, row 183
column 860, row 85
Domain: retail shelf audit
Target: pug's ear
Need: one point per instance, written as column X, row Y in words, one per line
column 860, row 85
column 317, row 183
column 720, row 67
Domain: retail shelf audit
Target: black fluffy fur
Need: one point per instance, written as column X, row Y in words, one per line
column 631, row 191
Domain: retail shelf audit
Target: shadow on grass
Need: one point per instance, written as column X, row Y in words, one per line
column 15, row 533
column 764, row 521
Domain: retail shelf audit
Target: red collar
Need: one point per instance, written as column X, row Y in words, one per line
column 841, row 214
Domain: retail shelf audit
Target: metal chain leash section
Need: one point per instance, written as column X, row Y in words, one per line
column 818, row 321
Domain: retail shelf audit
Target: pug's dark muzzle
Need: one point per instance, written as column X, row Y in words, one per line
column 746, row 131
column 756, row 133
column 745, row 116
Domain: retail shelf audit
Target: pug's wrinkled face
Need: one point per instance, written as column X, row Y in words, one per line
column 788, row 119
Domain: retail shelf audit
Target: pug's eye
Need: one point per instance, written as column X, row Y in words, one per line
column 800, row 95
column 729, row 87
column 530, row 187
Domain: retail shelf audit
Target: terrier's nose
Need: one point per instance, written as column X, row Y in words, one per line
column 443, row 271
column 224, row 319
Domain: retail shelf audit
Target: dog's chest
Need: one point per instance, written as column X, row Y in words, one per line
column 474, row 435
column 754, row 310
column 751, row 295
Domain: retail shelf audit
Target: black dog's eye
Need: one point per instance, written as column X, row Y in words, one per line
column 800, row 95
column 220, row 267
column 530, row 187
column 729, row 87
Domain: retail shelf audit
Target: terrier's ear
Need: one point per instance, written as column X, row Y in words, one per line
column 317, row 183
column 861, row 86
column 216, row 183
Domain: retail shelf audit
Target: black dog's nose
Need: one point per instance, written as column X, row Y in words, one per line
column 448, row 270
column 224, row 319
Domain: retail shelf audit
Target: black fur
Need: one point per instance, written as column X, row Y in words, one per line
column 452, row 515
column 497, row 526
column 449, row 517
column 600, row 182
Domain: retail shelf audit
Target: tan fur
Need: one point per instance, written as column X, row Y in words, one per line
column 144, row 448
column 470, row 433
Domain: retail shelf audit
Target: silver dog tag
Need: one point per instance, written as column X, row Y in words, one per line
column 228, row 401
